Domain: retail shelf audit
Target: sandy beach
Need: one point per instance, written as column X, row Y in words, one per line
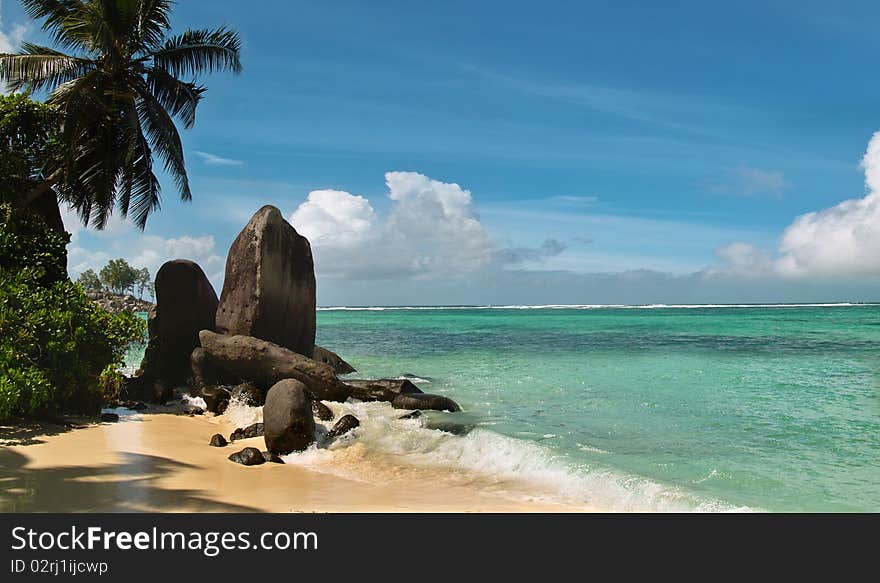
column 162, row 462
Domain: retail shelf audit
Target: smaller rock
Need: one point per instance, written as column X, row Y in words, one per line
column 380, row 389
column 322, row 411
column 249, row 456
column 450, row 427
column 414, row 415
column 345, row 424
column 135, row 405
column 109, row 417
column 425, row 401
column 272, row 458
column 192, row 411
column 255, row 430
column 218, row 440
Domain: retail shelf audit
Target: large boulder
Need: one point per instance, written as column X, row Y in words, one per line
column 288, row 423
column 380, row 389
column 265, row 364
column 329, row 357
column 269, row 290
column 185, row 304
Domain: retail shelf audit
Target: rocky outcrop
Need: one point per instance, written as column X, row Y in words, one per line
column 249, row 456
column 265, row 364
column 185, row 304
column 345, row 424
column 425, row 401
column 269, row 289
column 329, row 357
column 118, row 303
column 287, row 418
column 380, row 389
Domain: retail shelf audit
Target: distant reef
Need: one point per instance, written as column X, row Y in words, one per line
column 118, row 303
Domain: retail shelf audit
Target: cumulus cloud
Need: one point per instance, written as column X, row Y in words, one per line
column 430, row 230
column 334, row 217
column 843, row 240
column 152, row 251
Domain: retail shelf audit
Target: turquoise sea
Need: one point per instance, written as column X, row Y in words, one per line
column 642, row 408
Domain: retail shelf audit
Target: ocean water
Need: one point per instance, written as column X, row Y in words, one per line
column 771, row 408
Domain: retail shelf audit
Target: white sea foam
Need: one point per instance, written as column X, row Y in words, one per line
column 198, row 402
column 240, row 414
column 518, row 465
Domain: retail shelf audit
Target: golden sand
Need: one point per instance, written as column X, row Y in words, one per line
column 162, row 462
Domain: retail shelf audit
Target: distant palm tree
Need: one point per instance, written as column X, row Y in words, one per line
column 117, row 95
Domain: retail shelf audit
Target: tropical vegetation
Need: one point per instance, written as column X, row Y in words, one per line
column 116, row 83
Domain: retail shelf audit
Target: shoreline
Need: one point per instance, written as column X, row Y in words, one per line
column 160, row 461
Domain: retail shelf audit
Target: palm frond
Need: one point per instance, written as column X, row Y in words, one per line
column 36, row 67
column 199, row 51
column 162, row 135
column 176, row 96
column 154, row 21
column 65, row 20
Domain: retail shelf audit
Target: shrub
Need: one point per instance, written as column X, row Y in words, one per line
column 55, row 343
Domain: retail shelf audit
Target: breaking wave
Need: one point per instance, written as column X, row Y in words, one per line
column 384, row 447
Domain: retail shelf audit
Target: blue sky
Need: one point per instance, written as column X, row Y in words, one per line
column 603, row 152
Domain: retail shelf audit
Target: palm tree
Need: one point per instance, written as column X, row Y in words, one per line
column 118, row 93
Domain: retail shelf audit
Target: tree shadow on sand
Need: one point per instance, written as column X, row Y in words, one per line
column 30, row 432
column 128, row 486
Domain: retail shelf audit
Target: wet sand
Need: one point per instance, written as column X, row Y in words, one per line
column 161, row 462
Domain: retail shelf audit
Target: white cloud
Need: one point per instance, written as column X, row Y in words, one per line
column 843, row 240
column 152, row 251
column 148, row 251
column 214, row 160
column 431, row 230
column 335, row 217
column 11, row 39
column 115, row 226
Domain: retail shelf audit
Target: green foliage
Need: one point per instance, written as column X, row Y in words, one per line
column 55, row 343
column 143, row 282
column 25, row 242
column 119, row 276
column 29, row 144
column 90, row 281
column 111, row 381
